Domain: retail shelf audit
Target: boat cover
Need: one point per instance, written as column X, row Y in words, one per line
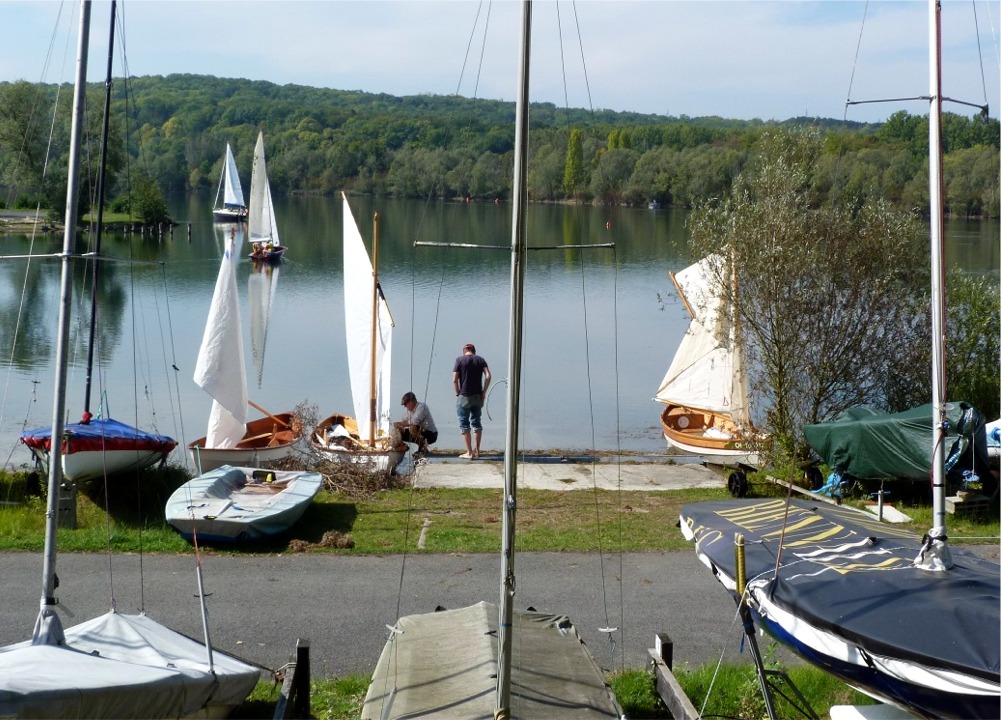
column 854, row 578
column 444, row 665
column 869, row 444
column 97, row 435
column 119, row 666
column 238, row 503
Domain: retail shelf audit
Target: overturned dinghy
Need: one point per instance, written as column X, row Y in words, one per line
column 237, row 503
column 444, row 665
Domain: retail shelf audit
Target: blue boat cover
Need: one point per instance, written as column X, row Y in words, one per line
column 846, row 573
column 99, row 434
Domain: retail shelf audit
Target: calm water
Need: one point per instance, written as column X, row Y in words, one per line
column 601, row 325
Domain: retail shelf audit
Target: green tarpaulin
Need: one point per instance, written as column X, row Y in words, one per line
column 869, row 444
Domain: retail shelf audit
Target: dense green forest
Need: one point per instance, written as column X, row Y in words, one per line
column 173, row 131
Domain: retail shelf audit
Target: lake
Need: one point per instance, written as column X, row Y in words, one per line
column 601, row 325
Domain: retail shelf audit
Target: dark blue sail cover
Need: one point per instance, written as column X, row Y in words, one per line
column 849, row 575
column 99, row 435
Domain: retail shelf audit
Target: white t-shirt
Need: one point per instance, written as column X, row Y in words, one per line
column 421, row 417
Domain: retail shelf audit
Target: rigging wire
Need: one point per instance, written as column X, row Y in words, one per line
column 858, row 49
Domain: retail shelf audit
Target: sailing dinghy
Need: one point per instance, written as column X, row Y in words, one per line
column 115, row 665
column 230, row 191
column 489, row 661
column 364, row 439
column 705, row 388
column 909, row 621
column 98, row 447
column 221, row 372
column 231, row 504
column 262, row 225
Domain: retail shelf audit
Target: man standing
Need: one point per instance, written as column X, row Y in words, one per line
column 417, row 425
column 470, row 380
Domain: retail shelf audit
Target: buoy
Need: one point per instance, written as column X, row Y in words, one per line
column 608, row 225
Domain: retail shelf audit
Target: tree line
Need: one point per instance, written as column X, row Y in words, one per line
column 171, row 132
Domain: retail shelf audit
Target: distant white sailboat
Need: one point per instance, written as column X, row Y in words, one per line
column 263, row 227
column 115, row 665
column 230, row 191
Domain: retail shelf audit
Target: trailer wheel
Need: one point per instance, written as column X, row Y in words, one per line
column 737, row 484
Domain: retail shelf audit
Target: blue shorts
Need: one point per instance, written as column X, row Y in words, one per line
column 468, row 409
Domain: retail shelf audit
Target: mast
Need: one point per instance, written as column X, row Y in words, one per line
column 935, row 554
column 100, row 217
column 47, row 616
column 372, row 394
column 518, row 252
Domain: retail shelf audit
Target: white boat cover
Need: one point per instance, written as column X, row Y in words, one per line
column 118, row 666
column 261, row 224
column 232, row 189
column 241, row 503
column 358, row 330
column 220, row 370
column 707, row 370
column 444, row 665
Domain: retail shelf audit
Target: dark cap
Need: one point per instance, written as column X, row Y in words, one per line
column 470, row 347
column 407, row 397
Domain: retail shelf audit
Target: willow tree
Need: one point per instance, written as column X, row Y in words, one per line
column 826, row 296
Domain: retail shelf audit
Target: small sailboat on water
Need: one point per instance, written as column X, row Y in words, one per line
column 262, row 225
column 230, row 192
column 115, row 665
column 220, row 370
column 365, row 438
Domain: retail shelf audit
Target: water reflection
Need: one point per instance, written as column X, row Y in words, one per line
column 600, row 325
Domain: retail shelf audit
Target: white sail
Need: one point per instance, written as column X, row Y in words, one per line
column 232, row 190
column 261, row 221
column 262, row 285
column 358, row 329
column 220, row 370
column 707, row 371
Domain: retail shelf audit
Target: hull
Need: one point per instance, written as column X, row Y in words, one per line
column 120, row 666
column 336, row 439
column 233, row 504
column 848, row 598
column 710, row 435
column 265, row 441
column 229, row 215
column 99, row 448
column 273, row 255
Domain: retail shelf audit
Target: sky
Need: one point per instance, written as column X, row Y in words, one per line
column 764, row 59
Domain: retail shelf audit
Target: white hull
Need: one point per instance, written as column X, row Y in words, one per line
column 211, row 458
column 83, row 466
column 714, row 456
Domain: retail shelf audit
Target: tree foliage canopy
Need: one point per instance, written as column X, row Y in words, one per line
column 320, row 141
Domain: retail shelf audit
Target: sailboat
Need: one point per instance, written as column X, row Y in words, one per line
column 910, row 621
column 98, row 447
column 230, row 191
column 262, row 226
column 488, row 661
column 220, row 370
column 115, row 665
column 705, row 388
column 364, row 438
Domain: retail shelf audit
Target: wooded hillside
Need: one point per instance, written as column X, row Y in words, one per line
column 319, row 141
